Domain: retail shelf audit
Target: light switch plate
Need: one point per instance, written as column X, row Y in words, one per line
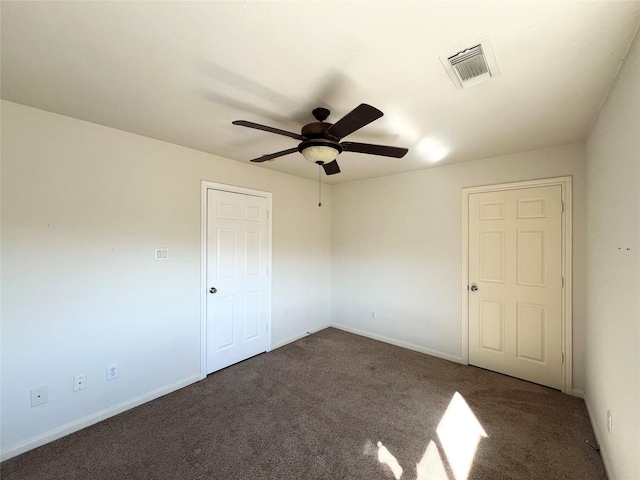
column 161, row 254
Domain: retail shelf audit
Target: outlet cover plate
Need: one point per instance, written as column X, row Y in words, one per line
column 112, row 372
column 80, row 382
column 39, row 396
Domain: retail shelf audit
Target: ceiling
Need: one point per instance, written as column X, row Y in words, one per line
column 183, row 71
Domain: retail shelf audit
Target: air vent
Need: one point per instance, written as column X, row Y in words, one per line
column 471, row 64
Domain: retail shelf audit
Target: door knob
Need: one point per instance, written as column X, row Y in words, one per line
column 213, row 290
column 474, row 287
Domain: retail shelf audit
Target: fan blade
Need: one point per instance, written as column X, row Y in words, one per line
column 357, row 118
column 384, row 150
column 257, row 126
column 271, row 156
column 331, row 168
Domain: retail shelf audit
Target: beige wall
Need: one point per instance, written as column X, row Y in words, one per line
column 613, row 268
column 83, row 207
column 396, row 249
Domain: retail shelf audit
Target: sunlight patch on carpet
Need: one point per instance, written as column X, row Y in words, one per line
column 385, row 457
column 430, row 466
column 460, row 433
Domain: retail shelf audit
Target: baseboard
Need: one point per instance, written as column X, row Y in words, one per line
column 400, row 343
column 72, row 427
column 577, row 392
column 293, row 338
column 598, row 435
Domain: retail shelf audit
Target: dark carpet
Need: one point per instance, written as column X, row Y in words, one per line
column 334, row 406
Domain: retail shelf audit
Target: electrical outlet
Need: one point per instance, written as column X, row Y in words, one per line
column 112, row 372
column 609, row 422
column 39, row 396
column 80, row 382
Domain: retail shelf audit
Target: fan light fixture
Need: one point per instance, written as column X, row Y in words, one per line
column 320, row 152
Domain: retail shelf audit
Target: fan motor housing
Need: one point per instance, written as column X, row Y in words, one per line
column 315, row 130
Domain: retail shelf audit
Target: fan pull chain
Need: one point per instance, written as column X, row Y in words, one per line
column 319, row 184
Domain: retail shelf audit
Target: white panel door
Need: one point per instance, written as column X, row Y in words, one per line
column 237, row 278
column 515, row 274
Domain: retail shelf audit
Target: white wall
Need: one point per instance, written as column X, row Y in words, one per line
column 397, row 248
column 613, row 267
column 83, row 207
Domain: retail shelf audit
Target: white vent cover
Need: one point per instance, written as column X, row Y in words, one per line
column 471, row 64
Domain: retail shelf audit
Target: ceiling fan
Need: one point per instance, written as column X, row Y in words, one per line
column 320, row 142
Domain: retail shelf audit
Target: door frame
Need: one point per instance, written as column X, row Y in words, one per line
column 207, row 185
column 567, row 248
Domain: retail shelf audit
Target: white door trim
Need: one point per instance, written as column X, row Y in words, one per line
column 567, row 239
column 206, row 185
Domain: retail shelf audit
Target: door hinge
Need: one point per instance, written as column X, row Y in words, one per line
column 562, row 281
column 562, row 207
column 267, row 214
column 562, row 357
